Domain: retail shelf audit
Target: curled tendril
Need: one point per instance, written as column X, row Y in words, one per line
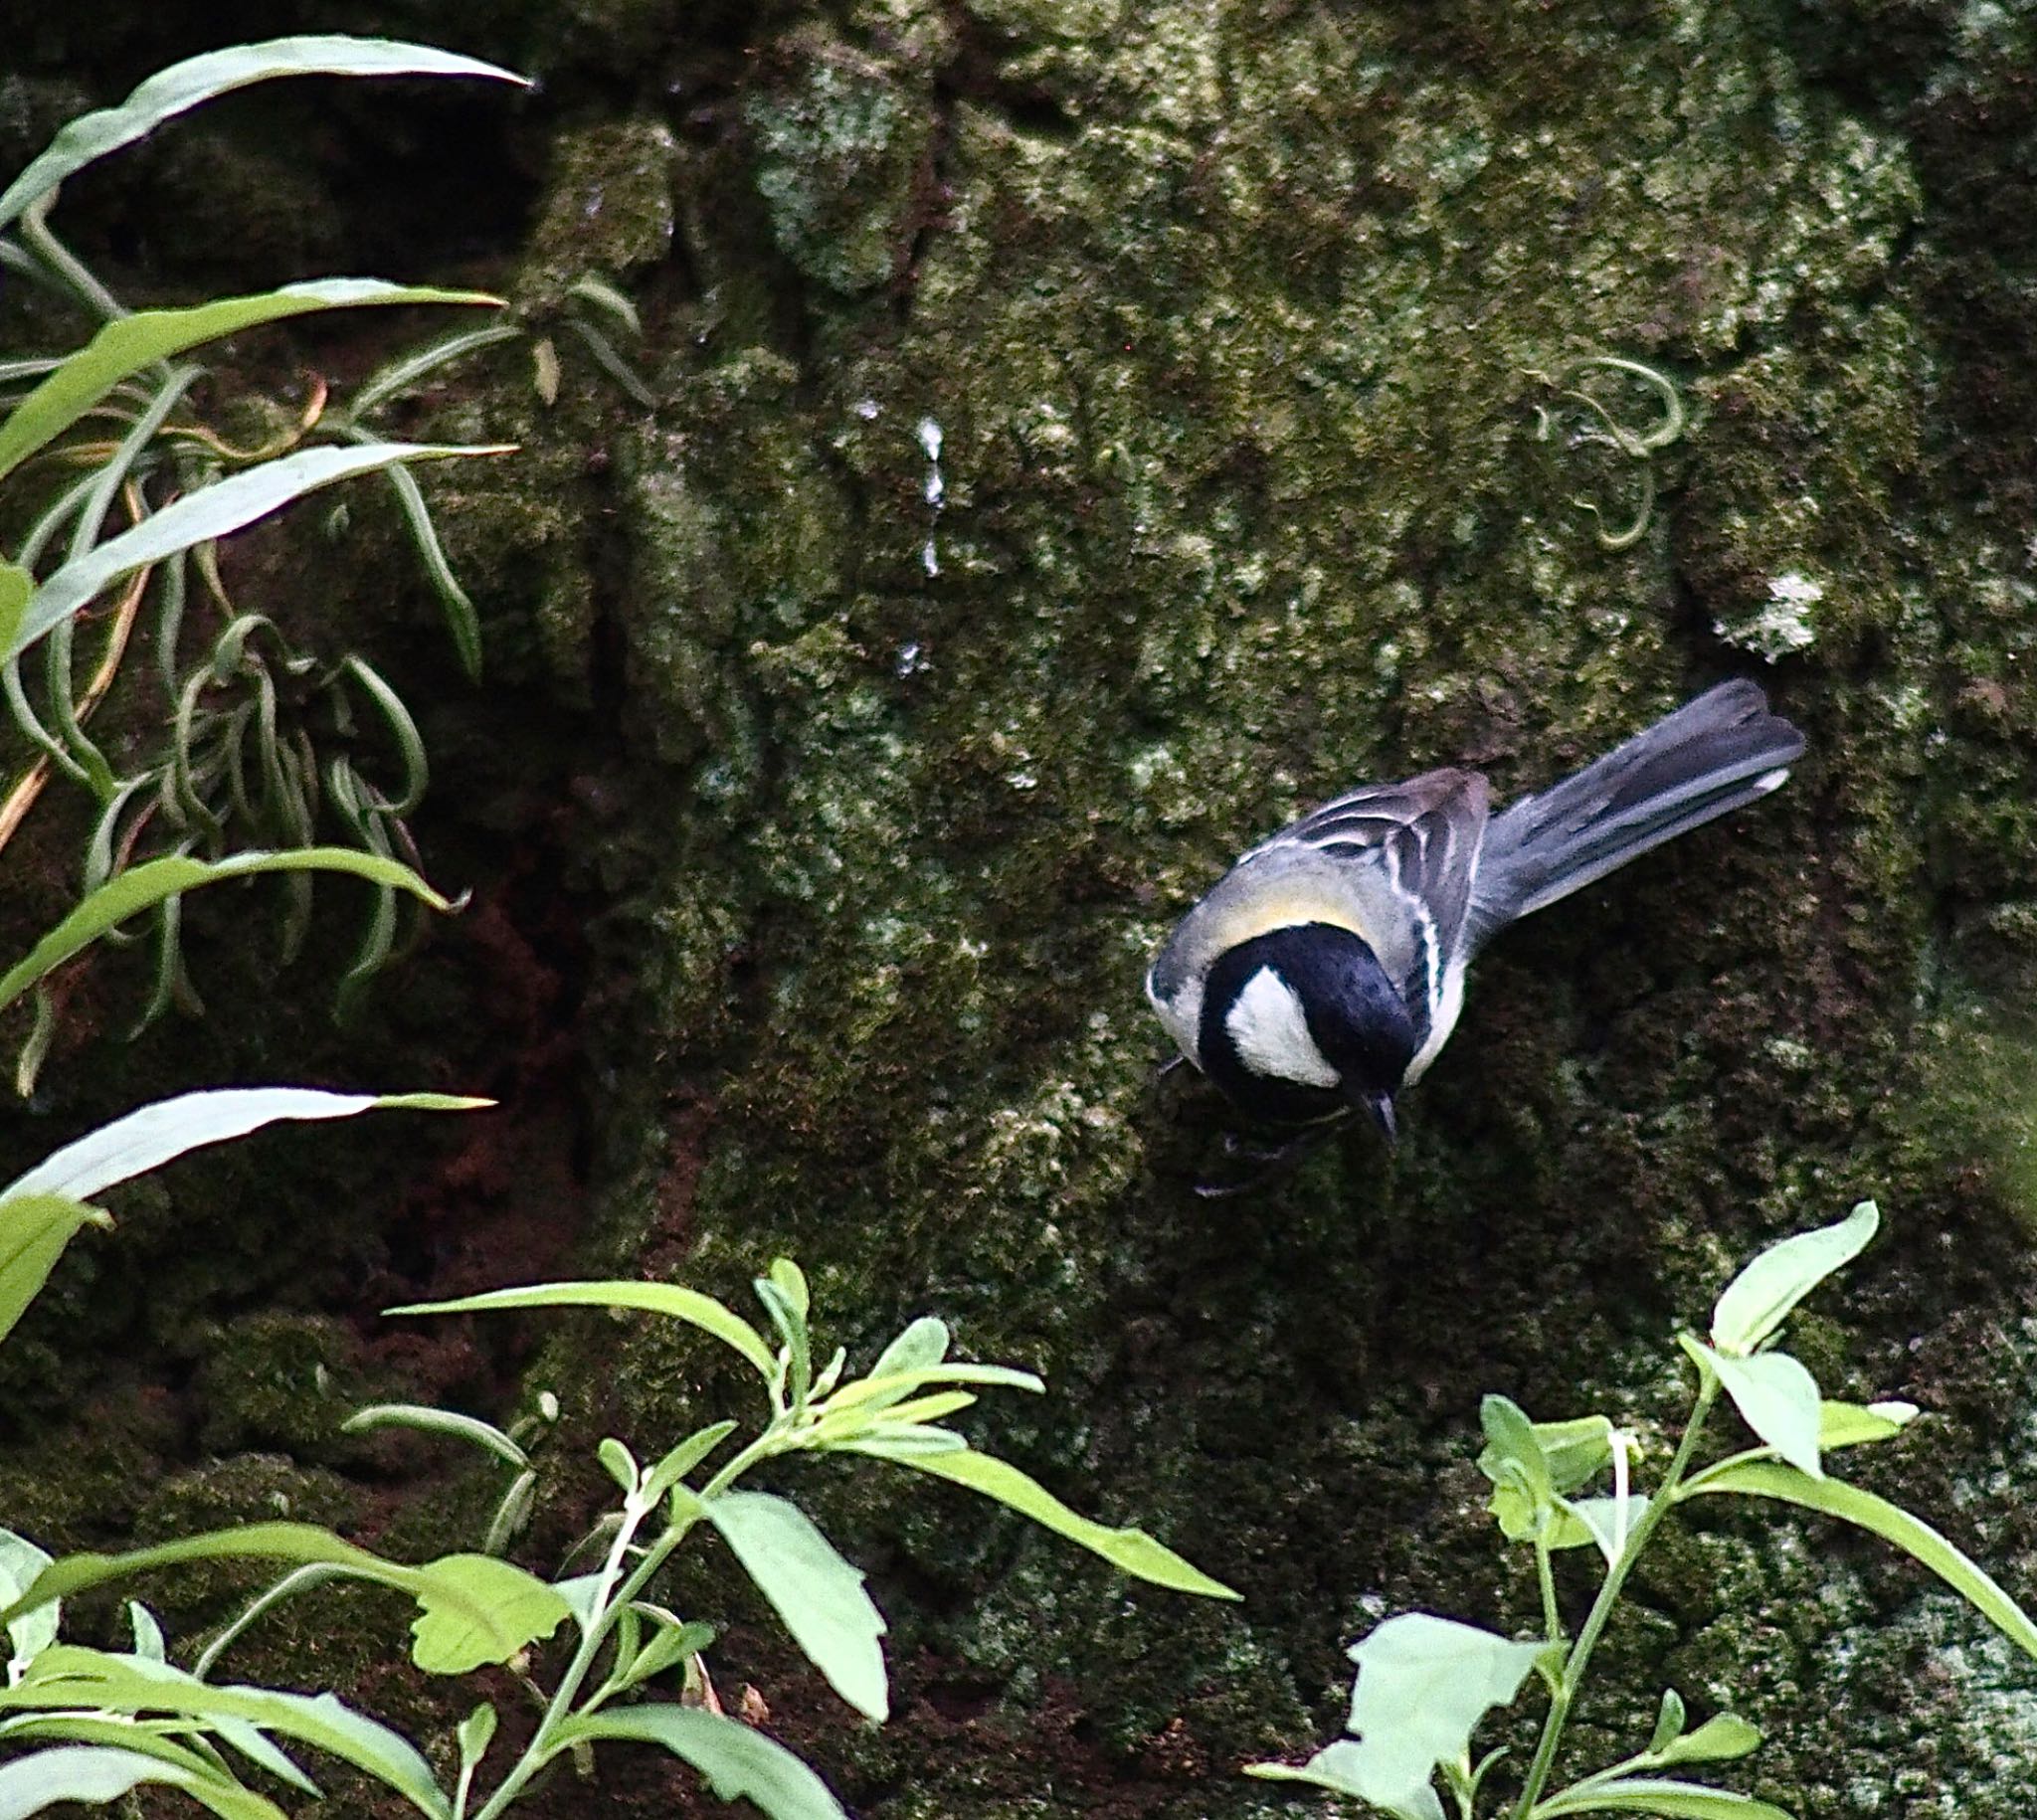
column 1637, row 445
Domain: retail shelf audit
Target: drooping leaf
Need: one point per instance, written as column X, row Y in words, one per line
column 447, row 1639
column 686, row 1305
column 1131, row 1551
column 67, row 1675
column 1916, row 1537
column 98, row 1775
column 34, row 1229
column 125, row 346
column 1424, row 1684
column 1758, row 1301
column 1344, row 1769
column 424, row 1419
column 197, row 80
column 818, row 1595
column 158, row 1134
column 210, row 512
column 142, row 887
column 1667, row 1800
column 739, row 1764
column 1777, row 1398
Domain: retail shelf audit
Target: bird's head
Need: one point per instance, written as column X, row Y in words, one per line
column 1302, row 1023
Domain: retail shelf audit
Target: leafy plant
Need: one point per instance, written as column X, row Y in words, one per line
column 183, row 1727
column 1424, row 1683
column 267, row 743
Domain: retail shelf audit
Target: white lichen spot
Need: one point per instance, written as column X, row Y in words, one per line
column 936, row 494
column 866, row 408
column 1786, row 623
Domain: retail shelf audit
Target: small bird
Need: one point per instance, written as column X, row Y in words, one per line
column 1325, row 969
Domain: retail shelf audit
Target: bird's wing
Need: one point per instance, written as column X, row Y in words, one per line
column 1428, row 833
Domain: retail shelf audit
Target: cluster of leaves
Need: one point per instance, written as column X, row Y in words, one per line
column 121, row 487
column 1424, row 1683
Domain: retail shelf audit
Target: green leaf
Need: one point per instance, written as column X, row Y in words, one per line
column 683, row 1458
column 818, row 1594
column 16, row 586
column 924, row 1343
column 1604, row 1523
column 1916, row 1537
column 1855, row 1425
column 476, row 1732
column 211, row 512
column 738, row 1763
column 100, row 1775
column 427, row 1420
column 1669, row 1720
column 1668, row 1800
column 1344, row 1769
column 124, row 1734
column 70, row 1676
column 791, row 1283
column 20, row 1562
column 672, row 1642
column 1131, row 1551
column 667, row 1299
column 875, row 1392
column 1758, row 1301
column 619, row 1463
column 145, row 886
column 1723, row 1739
column 126, row 346
column 158, row 1134
column 518, row 1606
column 1424, row 1684
column 1510, row 1442
column 186, row 84
column 34, row 1229
column 1777, row 1398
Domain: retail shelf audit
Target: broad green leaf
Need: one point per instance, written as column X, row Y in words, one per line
column 1777, row 1398
column 34, row 1229
column 1667, row 1800
column 125, row 346
column 1856, row 1424
column 425, row 1420
column 739, row 1764
column 158, row 1134
column 20, row 1562
column 816, row 1593
column 1424, row 1684
column 1510, row 1442
column 210, row 512
column 686, row 1305
column 1721, row 1739
column 197, row 80
column 447, row 1639
column 70, row 1676
column 100, row 1775
column 1758, row 1301
column 1131, row 1551
column 145, row 886
column 1916, row 1537
column 1344, row 1769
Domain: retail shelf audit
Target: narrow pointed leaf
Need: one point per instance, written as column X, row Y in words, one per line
column 424, row 1419
column 125, row 346
column 1916, row 1537
column 158, row 1134
column 686, row 1305
column 1667, row 1800
column 1131, row 1551
column 1758, row 1301
column 34, row 1229
column 210, row 512
column 142, row 887
column 816, row 1593
column 197, row 80
column 98, row 1775
column 738, row 1763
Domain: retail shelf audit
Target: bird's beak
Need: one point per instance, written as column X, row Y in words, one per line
column 1379, row 1107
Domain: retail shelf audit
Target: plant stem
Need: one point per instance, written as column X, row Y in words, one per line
column 1574, row 1665
column 1552, row 1618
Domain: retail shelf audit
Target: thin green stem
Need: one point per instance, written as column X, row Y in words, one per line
column 1545, row 1573
column 65, row 265
column 1579, row 1658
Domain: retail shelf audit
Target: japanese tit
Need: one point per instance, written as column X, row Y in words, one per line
column 1325, row 969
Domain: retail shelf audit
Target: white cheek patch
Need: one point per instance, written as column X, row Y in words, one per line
column 1270, row 1032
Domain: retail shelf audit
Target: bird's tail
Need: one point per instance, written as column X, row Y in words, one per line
column 1707, row 759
